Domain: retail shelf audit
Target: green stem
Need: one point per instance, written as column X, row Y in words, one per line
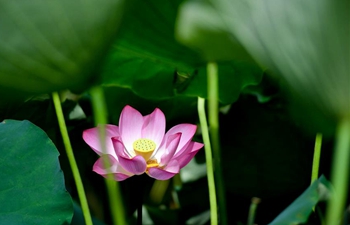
column 113, row 189
column 252, row 210
column 71, row 159
column 317, row 156
column 177, row 182
column 209, row 161
column 340, row 173
column 213, row 116
column 158, row 191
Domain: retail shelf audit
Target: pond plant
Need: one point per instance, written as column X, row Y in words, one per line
column 174, row 112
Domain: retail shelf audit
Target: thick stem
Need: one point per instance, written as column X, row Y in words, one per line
column 158, row 191
column 113, row 189
column 209, row 161
column 340, row 173
column 213, row 115
column 71, row 159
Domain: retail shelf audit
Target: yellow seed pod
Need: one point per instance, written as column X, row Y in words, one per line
column 144, row 147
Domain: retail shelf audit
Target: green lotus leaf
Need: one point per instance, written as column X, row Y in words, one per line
column 306, row 42
column 299, row 211
column 148, row 59
column 32, row 189
column 52, row 45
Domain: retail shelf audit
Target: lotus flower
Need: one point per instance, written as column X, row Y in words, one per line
column 140, row 145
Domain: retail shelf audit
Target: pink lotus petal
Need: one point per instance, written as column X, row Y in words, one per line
column 164, row 174
column 135, row 165
column 154, row 127
column 130, row 126
column 118, row 172
column 189, row 153
column 172, row 143
column 119, row 149
column 187, row 131
column 114, row 166
column 91, row 137
column 118, row 176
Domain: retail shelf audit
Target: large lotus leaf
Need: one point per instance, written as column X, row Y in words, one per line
column 147, row 58
column 299, row 211
column 32, row 189
column 200, row 27
column 56, row 44
column 307, row 42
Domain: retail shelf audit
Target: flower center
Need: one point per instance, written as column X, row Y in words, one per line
column 144, row 147
column 152, row 163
